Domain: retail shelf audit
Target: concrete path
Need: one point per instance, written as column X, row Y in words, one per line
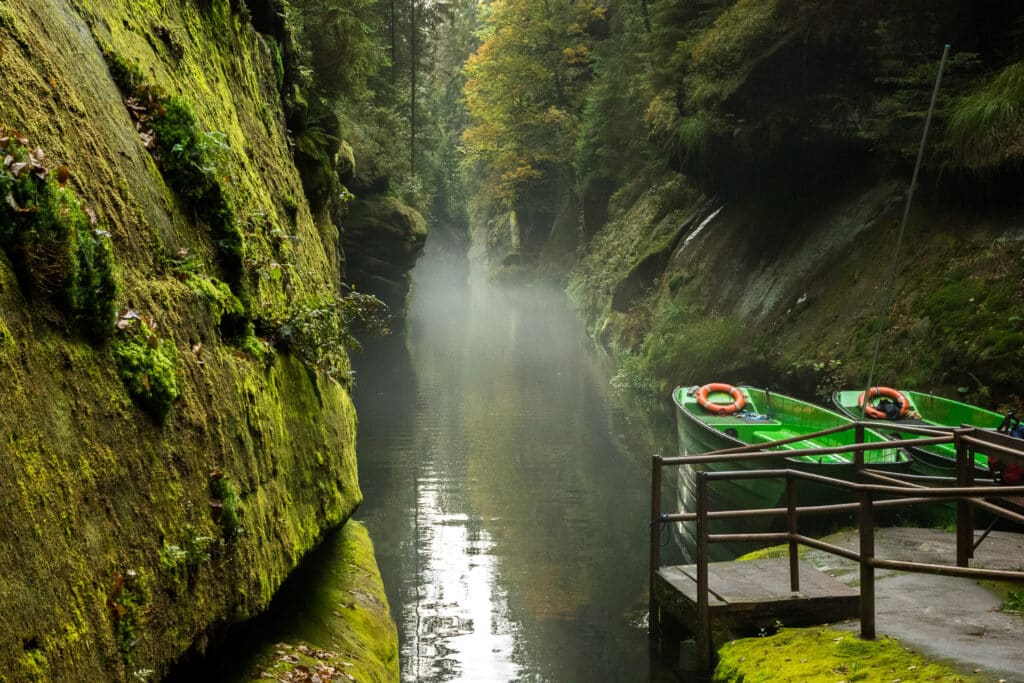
column 952, row 619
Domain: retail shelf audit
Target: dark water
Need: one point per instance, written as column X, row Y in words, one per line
column 506, row 491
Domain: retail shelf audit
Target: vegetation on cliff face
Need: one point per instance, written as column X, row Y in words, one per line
column 55, row 245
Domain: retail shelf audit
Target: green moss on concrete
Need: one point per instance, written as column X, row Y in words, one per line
column 798, row 655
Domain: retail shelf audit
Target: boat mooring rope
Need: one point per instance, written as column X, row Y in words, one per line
column 890, row 293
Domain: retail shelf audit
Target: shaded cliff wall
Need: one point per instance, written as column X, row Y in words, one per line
column 761, row 249
column 129, row 539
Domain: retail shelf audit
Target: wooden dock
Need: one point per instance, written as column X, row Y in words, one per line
column 745, row 597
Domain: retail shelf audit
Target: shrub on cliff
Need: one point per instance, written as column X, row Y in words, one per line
column 319, row 329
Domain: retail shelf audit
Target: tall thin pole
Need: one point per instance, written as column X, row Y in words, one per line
column 890, row 289
column 412, row 88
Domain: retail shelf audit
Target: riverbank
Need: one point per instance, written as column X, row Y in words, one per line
column 956, row 623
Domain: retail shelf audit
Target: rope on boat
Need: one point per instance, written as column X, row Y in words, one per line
column 890, row 293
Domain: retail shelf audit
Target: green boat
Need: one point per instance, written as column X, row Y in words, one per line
column 926, row 410
column 767, row 416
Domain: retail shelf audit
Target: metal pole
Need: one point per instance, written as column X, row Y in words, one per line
column 858, row 437
column 655, row 556
column 791, row 527
column 964, row 523
column 891, row 288
column 867, row 571
column 705, row 656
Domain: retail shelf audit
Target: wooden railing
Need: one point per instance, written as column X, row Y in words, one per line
column 898, row 490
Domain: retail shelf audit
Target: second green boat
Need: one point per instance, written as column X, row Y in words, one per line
column 924, row 410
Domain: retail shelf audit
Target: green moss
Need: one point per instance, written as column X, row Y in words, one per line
column 127, row 600
column 149, row 368
column 725, row 53
column 228, row 511
column 34, row 665
column 216, row 295
column 797, row 655
column 290, row 206
column 97, row 288
column 86, row 481
column 51, row 240
column 259, row 349
column 341, row 620
column 192, row 160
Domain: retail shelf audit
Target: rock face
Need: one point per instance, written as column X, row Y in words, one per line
column 768, row 255
column 128, row 540
column 382, row 238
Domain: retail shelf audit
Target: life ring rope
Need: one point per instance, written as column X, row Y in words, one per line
column 738, row 399
column 887, row 392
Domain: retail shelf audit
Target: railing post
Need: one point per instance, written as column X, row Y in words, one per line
column 964, row 518
column 858, row 437
column 791, row 527
column 705, row 656
column 867, row 569
column 655, row 557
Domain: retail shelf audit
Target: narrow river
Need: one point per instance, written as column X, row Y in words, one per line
column 508, row 508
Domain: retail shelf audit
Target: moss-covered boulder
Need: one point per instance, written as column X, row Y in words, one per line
column 334, row 620
column 383, row 238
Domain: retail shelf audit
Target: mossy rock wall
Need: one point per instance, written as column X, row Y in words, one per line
column 333, row 619
column 117, row 555
column 790, row 294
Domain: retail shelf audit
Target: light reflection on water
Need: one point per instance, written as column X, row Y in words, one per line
column 509, row 517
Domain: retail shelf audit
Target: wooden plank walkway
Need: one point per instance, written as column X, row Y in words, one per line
column 745, row 597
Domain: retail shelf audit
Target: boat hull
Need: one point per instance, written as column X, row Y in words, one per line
column 934, row 411
column 696, row 436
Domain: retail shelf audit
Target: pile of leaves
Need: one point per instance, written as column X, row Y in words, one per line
column 303, row 663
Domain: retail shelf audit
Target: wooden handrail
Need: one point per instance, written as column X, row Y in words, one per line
column 896, row 492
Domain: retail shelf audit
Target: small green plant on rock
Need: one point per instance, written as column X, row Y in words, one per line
column 53, row 241
column 319, row 329
column 148, row 365
column 226, row 505
column 126, row 600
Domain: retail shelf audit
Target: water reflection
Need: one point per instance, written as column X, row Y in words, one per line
column 505, row 491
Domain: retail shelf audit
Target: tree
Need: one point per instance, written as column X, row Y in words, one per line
column 525, row 90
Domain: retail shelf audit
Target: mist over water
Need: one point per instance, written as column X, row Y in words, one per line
column 509, row 516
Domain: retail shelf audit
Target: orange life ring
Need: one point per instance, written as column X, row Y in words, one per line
column 738, row 399
column 887, row 392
